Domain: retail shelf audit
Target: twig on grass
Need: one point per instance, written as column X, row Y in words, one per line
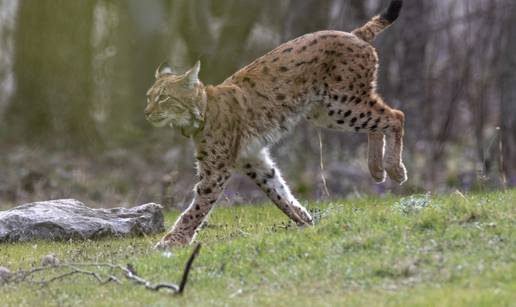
column 74, row 271
column 188, row 265
column 128, row 271
column 321, row 164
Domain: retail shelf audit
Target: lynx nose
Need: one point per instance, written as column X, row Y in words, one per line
column 147, row 112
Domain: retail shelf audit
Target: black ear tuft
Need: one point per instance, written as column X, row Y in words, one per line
column 392, row 13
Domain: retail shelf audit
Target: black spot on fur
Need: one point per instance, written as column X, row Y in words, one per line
column 283, row 69
column 287, row 50
column 340, row 122
column 280, row 97
column 252, row 175
column 261, row 95
column 348, row 113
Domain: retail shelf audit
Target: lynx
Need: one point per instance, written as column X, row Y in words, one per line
column 326, row 77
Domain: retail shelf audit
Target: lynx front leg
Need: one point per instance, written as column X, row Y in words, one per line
column 394, row 141
column 207, row 192
column 375, row 156
column 263, row 172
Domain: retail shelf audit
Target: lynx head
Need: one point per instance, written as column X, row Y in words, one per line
column 176, row 100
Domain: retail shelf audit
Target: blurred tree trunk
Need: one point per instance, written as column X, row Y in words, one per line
column 141, row 46
column 220, row 53
column 305, row 17
column 508, row 103
column 485, row 62
column 53, row 73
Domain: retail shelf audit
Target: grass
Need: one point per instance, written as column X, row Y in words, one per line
column 417, row 251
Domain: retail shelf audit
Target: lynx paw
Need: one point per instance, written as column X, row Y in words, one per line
column 164, row 245
column 397, row 173
column 170, row 241
column 378, row 174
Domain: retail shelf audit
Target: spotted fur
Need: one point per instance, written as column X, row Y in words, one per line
column 327, row 77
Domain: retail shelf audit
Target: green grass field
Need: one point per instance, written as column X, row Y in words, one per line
column 418, row 251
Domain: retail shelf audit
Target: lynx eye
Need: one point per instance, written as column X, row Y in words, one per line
column 163, row 97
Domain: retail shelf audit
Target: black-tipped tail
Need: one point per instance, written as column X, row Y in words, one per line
column 375, row 26
column 393, row 12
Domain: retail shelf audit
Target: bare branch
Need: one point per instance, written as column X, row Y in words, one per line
column 102, row 278
column 188, row 266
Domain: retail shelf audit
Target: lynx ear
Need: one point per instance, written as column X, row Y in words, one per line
column 192, row 76
column 163, row 69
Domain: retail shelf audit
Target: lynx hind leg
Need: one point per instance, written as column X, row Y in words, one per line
column 264, row 173
column 367, row 115
column 394, row 148
column 376, row 145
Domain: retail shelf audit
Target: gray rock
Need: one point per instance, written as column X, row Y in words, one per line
column 65, row 219
column 49, row 260
column 5, row 275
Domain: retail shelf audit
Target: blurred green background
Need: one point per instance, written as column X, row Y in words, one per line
column 73, row 78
